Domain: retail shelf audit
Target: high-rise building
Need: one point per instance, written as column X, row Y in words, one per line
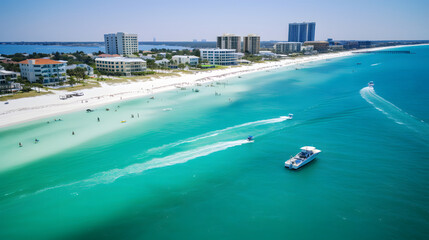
column 251, row 44
column 302, row 32
column 229, row 41
column 121, row 43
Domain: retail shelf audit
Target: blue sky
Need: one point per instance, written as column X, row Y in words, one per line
column 185, row 20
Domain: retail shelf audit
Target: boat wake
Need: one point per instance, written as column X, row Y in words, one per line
column 393, row 112
column 110, row 176
column 217, row 132
column 182, row 155
column 375, row 64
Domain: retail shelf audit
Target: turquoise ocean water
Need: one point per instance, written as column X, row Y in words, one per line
column 189, row 174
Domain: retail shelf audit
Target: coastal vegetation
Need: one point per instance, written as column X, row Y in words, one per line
column 24, row 94
column 74, row 58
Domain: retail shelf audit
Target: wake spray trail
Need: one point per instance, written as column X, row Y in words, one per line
column 393, row 112
column 177, row 158
column 217, row 132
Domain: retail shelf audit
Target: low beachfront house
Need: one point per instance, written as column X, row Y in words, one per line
column 216, row 56
column 48, row 71
column 163, row 62
column 191, row 60
column 123, row 65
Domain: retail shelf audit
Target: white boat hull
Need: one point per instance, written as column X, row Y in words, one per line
column 296, row 163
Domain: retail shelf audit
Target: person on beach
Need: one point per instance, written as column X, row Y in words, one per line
column 132, row 115
column 98, row 119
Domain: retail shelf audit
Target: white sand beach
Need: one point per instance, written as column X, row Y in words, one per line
column 32, row 108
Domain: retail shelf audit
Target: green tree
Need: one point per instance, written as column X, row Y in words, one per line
column 40, row 80
column 151, row 64
column 78, row 72
column 72, row 81
column 181, row 66
column 196, row 52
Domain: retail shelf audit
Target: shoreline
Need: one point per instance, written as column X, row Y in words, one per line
column 24, row 110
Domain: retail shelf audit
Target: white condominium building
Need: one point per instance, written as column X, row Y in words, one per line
column 251, row 44
column 49, row 71
column 123, row 65
column 121, row 43
column 217, row 56
column 287, row 47
column 191, row 60
column 229, row 41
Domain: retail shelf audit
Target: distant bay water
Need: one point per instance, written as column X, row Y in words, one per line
column 13, row 48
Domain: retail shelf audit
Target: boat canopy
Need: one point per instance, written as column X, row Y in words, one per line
column 308, row 148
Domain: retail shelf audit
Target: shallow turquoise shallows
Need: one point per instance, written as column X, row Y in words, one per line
column 188, row 173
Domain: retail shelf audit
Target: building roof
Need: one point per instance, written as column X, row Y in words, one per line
column 288, row 42
column 252, row 35
column 309, row 42
column 120, row 59
column 40, row 61
column 184, row 56
column 108, row 55
column 164, row 60
column 218, row 49
column 4, row 72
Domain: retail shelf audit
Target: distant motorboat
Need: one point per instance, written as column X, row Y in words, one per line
column 306, row 155
column 371, row 84
column 250, row 138
column 290, row 116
